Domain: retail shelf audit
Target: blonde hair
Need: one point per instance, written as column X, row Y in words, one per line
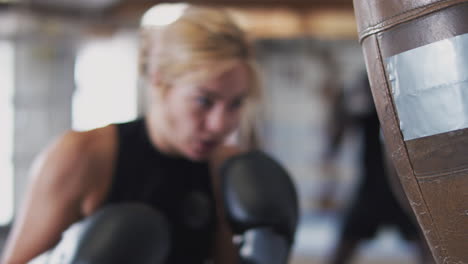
column 203, row 40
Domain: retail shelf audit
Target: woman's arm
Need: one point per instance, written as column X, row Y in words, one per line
column 53, row 200
column 224, row 250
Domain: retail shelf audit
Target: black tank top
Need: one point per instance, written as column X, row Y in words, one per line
column 178, row 187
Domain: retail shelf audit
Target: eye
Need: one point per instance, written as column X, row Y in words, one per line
column 204, row 101
column 236, row 104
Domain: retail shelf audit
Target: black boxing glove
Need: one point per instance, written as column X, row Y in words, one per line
column 116, row 234
column 261, row 206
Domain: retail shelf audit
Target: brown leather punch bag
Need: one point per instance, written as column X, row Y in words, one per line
column 416, row 54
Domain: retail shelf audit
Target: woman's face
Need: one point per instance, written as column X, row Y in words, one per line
column 200, row 116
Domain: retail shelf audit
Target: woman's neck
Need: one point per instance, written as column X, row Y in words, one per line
column 157, row 133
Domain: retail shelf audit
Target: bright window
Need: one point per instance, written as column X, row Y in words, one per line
column 106, row 82
column 6, row 132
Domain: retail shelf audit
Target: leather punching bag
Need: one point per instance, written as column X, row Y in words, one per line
column 416, row 54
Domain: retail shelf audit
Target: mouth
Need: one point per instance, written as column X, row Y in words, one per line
column 205, row 146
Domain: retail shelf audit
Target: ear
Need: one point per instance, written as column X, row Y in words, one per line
column 158, row 85
column 156, row 79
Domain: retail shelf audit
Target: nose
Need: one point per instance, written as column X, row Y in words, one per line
column 220, row 121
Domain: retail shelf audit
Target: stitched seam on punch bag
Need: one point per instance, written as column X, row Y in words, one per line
column 388, row 94
column 442, row 173
column 389, row 22
column 411, row 10
column 385, row 22
column 426, row 9
column 407, row 15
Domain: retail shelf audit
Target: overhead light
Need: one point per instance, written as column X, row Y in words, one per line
column 163, row 14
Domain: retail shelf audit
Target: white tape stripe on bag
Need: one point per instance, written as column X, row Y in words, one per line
column 430, row 87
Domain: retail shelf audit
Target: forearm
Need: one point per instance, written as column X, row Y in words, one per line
column 16, row 254
column 224, row 250
column 33, row 234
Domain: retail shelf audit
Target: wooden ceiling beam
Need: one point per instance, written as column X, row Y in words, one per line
column 261, row 18
column 134, row 9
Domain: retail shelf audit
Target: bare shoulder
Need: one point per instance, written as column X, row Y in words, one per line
column 73, row 150
column 102, row 148
column 58, row 190
column 63, row 156
column 67, row 165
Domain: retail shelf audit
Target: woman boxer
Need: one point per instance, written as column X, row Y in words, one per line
column 201, row 76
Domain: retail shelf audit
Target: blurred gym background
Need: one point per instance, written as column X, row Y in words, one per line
column 73, row 64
